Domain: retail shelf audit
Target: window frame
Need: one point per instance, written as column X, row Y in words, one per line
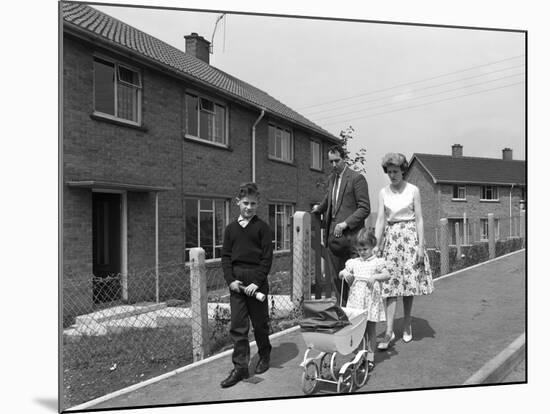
column 286, row 223
column 215, row 102
column 458, row 189
column 484, row 229
column 116, row 74
column 483, row 193
column 274, row 156
column 312, row 142
column 215, row 245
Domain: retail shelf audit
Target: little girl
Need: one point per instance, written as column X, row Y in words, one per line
column 363, row 275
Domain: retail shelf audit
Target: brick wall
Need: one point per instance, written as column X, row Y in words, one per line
column 429, row 201
column 159, row 155
column 437, row 203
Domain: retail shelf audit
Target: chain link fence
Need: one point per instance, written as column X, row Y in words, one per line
column 124, row 329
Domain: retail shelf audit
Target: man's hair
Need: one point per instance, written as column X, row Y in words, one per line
column 338, row 149
column 248, row 189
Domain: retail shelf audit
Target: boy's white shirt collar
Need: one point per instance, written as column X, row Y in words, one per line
column 243, row 221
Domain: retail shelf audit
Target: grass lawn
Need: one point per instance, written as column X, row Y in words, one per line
column 97, row 365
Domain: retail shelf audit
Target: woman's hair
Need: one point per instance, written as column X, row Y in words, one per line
column 338, row 149
column 248, row 189
column 395, row 159
column 365, row 238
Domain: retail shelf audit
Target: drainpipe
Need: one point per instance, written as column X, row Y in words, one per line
column 511, row 187
column 254, row 145
column 157, row 246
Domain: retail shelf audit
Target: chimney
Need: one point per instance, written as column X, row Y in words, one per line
column 507, row 154
column 457, row 150
column 198, row 46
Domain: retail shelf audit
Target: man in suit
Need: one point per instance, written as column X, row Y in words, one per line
column 346, row 205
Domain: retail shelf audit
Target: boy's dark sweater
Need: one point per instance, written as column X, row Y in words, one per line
column 250, row 247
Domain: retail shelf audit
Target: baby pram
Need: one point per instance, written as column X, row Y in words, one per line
column 331, row 329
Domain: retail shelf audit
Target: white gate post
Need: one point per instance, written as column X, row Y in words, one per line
column 199, row 303
column 443, row 247
column 301, row 263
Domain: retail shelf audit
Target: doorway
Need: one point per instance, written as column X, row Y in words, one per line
column 106, row 245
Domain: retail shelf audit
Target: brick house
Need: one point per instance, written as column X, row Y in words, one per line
column 465, row 189
column 155, row 142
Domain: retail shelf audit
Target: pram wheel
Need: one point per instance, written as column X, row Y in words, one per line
column 345, row 380
column 361, row 371
column 328, row 366
column 309, row 378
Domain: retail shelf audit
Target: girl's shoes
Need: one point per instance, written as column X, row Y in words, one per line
column 408, row 337
column 386, row 342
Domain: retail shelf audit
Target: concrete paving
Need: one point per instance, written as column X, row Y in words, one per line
column 469, row 319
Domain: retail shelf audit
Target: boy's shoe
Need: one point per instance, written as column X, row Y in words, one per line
column 234, row 377
column 262, row 366
column 386, row 342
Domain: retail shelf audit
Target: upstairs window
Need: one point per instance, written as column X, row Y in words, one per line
column 316, row 155
column 206, row 119
column 117, row 91
column 489, row 192
column 281, row 144
column 459, row 192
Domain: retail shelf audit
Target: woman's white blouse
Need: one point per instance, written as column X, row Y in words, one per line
column 399, row 206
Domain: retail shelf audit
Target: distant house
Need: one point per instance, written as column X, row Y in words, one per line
column 465, row 189
column 156, row 142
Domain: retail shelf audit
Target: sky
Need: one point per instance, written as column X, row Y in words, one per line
column 29, row 162
column 403, row 88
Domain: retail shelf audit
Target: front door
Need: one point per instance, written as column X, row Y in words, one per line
column 106, row 218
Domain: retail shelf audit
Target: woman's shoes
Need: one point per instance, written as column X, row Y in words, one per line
column 386, row 342
column 408, row 336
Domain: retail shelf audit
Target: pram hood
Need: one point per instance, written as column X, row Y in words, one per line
column 323, row 315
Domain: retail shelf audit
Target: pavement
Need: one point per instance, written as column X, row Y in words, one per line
column 459, row 331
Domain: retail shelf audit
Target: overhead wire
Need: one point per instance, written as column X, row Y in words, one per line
column 412, row 83
column 419, row 97
column 413, row 90
column 424, row 104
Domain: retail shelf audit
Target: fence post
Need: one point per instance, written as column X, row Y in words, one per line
column 465, row 229
column 301, row 266
column 522, row 226
column 199, row 303
column 443, row 246
column 458, row 241
column 491, row 235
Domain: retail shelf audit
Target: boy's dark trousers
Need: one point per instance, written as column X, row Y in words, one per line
column 244, row 307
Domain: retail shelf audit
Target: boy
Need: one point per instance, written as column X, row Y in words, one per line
column 247, row 254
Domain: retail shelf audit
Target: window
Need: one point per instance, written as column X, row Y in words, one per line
column 459, row 192
column 316, row 155
column 281, row 146
column 206, row 119
column 452, row 225
column 484, row 229
column 280, row 219
column 489, row 192
column 205, row 221
column 117, row 91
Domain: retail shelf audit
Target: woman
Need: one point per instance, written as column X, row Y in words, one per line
column 400, row 235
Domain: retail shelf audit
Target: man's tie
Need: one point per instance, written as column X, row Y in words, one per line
column 335, row 192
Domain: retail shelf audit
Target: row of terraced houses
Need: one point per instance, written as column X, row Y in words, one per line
column 155, row 144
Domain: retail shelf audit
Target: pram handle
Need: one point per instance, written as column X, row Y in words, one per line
column 258, row 295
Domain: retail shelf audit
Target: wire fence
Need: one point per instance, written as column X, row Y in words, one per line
column 123, row 329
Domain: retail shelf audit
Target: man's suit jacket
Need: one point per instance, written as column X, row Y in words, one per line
column 352, row 206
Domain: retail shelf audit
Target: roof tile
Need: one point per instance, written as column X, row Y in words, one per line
column 110, row 29
column 446, row 168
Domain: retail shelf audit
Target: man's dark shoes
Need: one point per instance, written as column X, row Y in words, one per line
column 263, row 365
column 235, row 376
